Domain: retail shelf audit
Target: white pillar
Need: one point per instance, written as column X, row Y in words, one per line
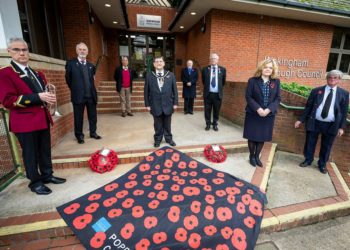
column 10, row 24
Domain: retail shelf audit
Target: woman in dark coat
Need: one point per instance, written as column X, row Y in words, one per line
column 263, row 98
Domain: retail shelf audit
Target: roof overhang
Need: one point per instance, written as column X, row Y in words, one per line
column 202, row 7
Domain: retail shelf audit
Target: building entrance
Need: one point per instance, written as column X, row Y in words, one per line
column 142, row 48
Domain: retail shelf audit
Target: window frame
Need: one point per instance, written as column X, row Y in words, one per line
column 341, row 50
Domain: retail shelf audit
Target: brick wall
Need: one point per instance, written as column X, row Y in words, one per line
column 285, row 135
column 63, row 124
column 180, row 53
column 242, row 40
column 166, row 13
column 113, row 52
column 75, row 23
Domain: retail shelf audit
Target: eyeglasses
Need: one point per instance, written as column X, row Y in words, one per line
column 17, row 50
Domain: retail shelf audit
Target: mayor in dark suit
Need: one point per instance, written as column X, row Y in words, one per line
column 161, row 99
column 263, row 98
column 325, row 114
column 214, row 78
column 123, row 77
column 189, row 78
column 80, row 76
column 22, row 92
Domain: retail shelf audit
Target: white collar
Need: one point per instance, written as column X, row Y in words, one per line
column 21, row 66
column 329, row 88
column 160, row 71
column 125, row 67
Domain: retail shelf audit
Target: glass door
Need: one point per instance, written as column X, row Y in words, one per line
column 143, row 49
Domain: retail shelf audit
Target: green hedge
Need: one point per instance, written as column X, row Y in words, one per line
column 299, row 89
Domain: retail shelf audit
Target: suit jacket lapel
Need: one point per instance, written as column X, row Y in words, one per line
column 39, row 79
column 321, row 96
column 24, row 78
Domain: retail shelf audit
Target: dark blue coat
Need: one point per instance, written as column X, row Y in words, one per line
column 255, row 99
column 340, row 109
column 189, row 91
column 160, row 101
column 75, row 80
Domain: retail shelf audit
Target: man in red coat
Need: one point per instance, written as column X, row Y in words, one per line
column 23, row 93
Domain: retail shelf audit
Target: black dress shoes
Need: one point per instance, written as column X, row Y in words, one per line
column 304, row 164
column 41, row 190
column 96, row 136
column 123, row 114
column 215, row 127
column 55, row 180
column 252, row 161
column 81, row 141
column 156, row 144
column 190, row 113
column 171, row 143
column 258, row 162
column 323, row 170
column 207, row 127
column 130, row 114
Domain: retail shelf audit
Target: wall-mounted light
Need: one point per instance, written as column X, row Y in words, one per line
column 182, row 27
column 160, row 38
column 108, row 5
column 115, row 22
column 193, row 13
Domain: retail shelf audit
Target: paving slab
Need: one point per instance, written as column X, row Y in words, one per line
column 136, row 132
column 331, row 234
column 290, row 184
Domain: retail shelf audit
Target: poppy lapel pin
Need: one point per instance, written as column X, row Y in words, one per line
column 320, row 92
column 272, row 85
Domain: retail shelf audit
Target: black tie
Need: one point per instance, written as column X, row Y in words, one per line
column 327, row 105
column 160, row 74
column 213, row 78
column 34, row 81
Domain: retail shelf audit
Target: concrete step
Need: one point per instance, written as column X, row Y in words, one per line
column 140, row 104
column 134, row 109
column 137, row 87
column 137, row 93
column 116, row 98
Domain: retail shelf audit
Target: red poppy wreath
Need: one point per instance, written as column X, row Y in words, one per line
column 103, row 160
column 215, row 153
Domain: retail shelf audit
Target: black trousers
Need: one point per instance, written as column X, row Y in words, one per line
column 188, row 105
column 79, row 117
column 321, row 128
column 212, row 102
column 162, row 127
column 36, row 151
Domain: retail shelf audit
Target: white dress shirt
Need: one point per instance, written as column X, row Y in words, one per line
column 160, row 79
column 330, row 117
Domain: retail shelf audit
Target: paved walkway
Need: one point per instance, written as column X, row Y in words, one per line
column 136, row 132
column 332, row 234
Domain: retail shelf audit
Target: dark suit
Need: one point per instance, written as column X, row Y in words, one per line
column 212, row 101
column 189, row 92
column 328, row 130
column 161, row 103
column 29, row 120
column 83, row 93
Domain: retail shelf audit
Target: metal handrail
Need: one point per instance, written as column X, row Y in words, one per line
column 299, row 108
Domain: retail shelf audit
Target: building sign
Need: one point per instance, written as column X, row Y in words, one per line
column 149, row 21
column 296, row 68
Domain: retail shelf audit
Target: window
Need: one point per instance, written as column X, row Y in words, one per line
column 41, row 27
column 339, row 57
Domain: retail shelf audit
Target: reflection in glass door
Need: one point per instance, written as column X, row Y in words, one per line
column 142, row 50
